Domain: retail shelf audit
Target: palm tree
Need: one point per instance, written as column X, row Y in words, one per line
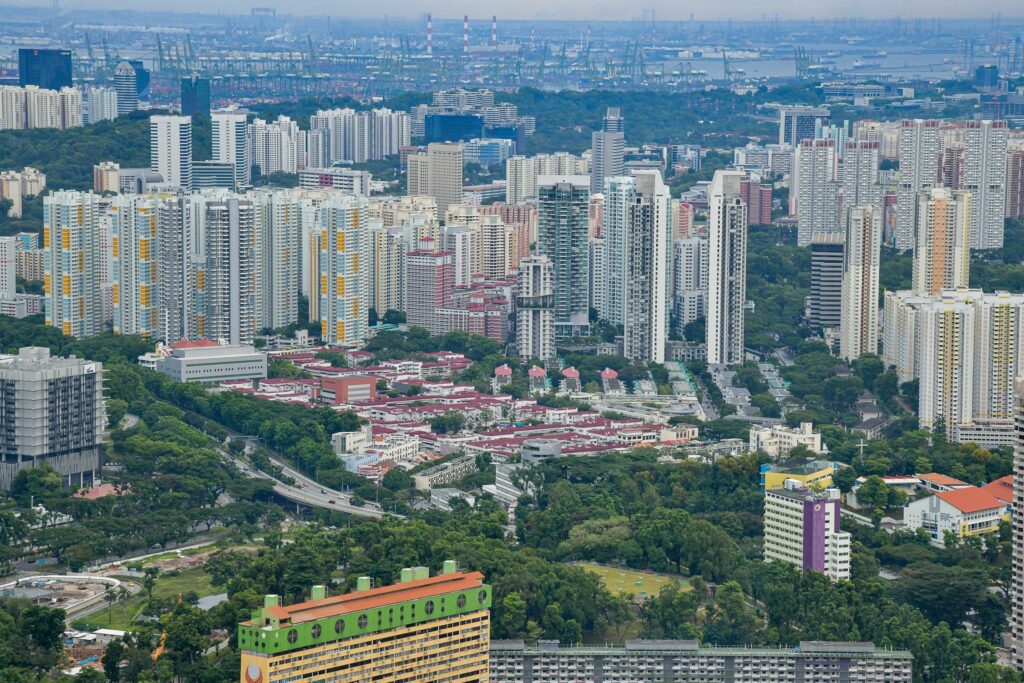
column 111, row 597
column 122, row 595
column 149, row 581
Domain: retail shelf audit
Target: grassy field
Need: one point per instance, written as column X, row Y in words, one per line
column 122, row 614
column 640, row 584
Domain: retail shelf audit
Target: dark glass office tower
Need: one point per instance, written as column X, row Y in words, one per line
column 142, row 78
column 50, row 69
column 452, row 127
column 195, row 95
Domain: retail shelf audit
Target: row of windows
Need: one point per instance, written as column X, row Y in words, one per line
column 429, row 607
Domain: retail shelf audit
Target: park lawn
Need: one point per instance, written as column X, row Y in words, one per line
column 642, row 585
column 195, row 580
column 121, row 615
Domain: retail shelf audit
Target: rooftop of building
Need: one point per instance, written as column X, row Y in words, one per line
column 971, row 499
column 38, row 358
column 937, row 479
column 197, row 344
column 801, row 494
column 373, row 598
column 805, row 428
column 1001, row 489
column 669, row 647
column 821, row 237
column 803, row 466
column 895, row 479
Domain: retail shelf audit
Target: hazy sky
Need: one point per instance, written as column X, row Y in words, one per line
column 576, row 9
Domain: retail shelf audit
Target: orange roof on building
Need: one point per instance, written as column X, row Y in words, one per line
column 971, row 499
column 1001, row 488
column 377, row 597
column 941, row 479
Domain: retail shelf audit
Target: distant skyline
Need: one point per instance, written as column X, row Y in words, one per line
column 666, row 10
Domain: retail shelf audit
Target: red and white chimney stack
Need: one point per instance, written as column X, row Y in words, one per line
column 430, row 35
column 465, row 33
column 494, row 31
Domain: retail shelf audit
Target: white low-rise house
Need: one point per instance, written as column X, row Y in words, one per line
column 105, row 636
column 777, row 441
column 359, row 462
column 352, row 442
column 964, row 512
column 361, row 451
column 208, row 362
column 397, row 447
column 442, row 498
column 444, row 473
column 504, row 489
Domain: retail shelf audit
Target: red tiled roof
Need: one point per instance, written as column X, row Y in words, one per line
column 941, row 479
column 1001, row 489
column 378, row 597
column 571, row 373
column 971, row 499
column 608, row 373
column 537, row 371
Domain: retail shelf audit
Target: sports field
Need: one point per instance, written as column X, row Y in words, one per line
column 640, row 584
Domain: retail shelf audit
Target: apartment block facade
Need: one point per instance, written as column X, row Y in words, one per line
column 727, row 269
column 562, row 232
column 425, row 629
column 802, row 528
column 344, row 261
column 51, row 413
column 686, row 661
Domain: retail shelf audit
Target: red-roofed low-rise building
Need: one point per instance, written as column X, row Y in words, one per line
column 1001, row 489
column 538, row 378
column 571, row 382
column 933, row 481
column 610, row 382
column 309, row 387
column 960, row 512
column 502, row 377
